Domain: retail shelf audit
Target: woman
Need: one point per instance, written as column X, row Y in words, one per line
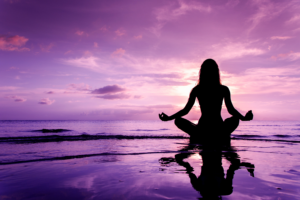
column 210, row 94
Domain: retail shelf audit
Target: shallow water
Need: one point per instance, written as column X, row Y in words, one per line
column 141, row 164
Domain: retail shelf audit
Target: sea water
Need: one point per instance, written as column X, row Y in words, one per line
column 136, row 160
column 30, row 141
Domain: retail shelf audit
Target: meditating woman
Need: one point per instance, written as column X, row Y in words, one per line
column 210, row 94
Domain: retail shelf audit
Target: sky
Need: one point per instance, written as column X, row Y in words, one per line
column 130, row 60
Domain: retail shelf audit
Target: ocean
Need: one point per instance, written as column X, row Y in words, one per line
column 29, row 148
column 28, row 140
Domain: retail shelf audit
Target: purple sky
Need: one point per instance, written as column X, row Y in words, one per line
column 116, row 59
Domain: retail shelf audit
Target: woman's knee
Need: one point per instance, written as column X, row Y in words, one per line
column 178, row 121
column 232, row 120
column 230, row 124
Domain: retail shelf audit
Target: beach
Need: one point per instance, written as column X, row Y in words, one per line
column 135, row 167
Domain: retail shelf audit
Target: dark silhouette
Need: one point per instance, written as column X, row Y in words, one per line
column 212, row 182
column 210, row 94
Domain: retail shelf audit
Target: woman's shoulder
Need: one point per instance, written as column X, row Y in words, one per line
column 225, row 89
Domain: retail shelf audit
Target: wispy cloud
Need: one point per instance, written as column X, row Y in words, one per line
column 280, row 37
column 46, row 101
column 111, row 92
column 168, row 12
column 294, row 19
column 109, row 89
column 230, row 50
column 265, row 80
column 138, row 37
column 114, row 96
column 80, row 87
column 120, row 32
column 80, row 33
column 291, row 56
column 266, row 10
column 46, row 48
column 13, row 43
column 17, row 98
column 9, row 88
column 85, row 62
column 118, row 52
column 171, row 12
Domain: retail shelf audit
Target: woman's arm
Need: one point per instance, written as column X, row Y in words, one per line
column 232, row 110
column 182, row 112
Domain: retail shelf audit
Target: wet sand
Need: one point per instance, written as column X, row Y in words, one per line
column 144, row 176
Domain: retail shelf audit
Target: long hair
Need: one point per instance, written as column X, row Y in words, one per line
column 209, row 74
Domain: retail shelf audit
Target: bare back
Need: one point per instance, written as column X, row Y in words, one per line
column 210, row 100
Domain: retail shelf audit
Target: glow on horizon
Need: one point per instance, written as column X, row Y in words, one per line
column 131, row 60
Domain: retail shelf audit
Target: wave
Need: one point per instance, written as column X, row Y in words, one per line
column 283, row 136
column 248, row 136
column 163, row 129
column 265, row 140
column 264, row 125
column 82, row 137
column 51, row 130
column 80, row 156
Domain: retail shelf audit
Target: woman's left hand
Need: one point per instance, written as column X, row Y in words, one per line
column 163, row 117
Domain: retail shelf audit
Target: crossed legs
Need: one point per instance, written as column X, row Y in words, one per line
column 229, row 125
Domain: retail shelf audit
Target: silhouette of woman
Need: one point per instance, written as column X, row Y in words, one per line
column 210, row 94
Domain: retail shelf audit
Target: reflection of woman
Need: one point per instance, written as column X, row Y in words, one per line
column 210, row 94
column 212, row 182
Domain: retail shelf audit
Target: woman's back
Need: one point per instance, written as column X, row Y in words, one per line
column 210, row 100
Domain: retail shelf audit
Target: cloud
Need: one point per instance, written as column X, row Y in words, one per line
column 80, row 87
column 13, row 43
column 137, row 97
column 67, row 52
column 96, row 45
column 118, row 52
column 46, row 48
column 120, row 32
column 46, row 101
column 103, row 29
column 168, row 82
column 161, row 75
column 17, row 98
column 114, row 96
column 235, row 50
column 169, row 13
column 285, row 80
column 8, row 88
column 280, row 37
column 80, row 33
column 138, row 37
column 85, row 62
column 108, row 89
column 156, row 106
column 291, row 56
column 50, row 92
column 266, row 10
column 294, row 19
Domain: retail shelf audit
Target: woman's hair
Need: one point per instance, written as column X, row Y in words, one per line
column 209, row 73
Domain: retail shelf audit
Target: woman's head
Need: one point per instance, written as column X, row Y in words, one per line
column 209, row 73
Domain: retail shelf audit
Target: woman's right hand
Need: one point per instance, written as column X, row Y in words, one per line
column 248, row 116
column 163, row 117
